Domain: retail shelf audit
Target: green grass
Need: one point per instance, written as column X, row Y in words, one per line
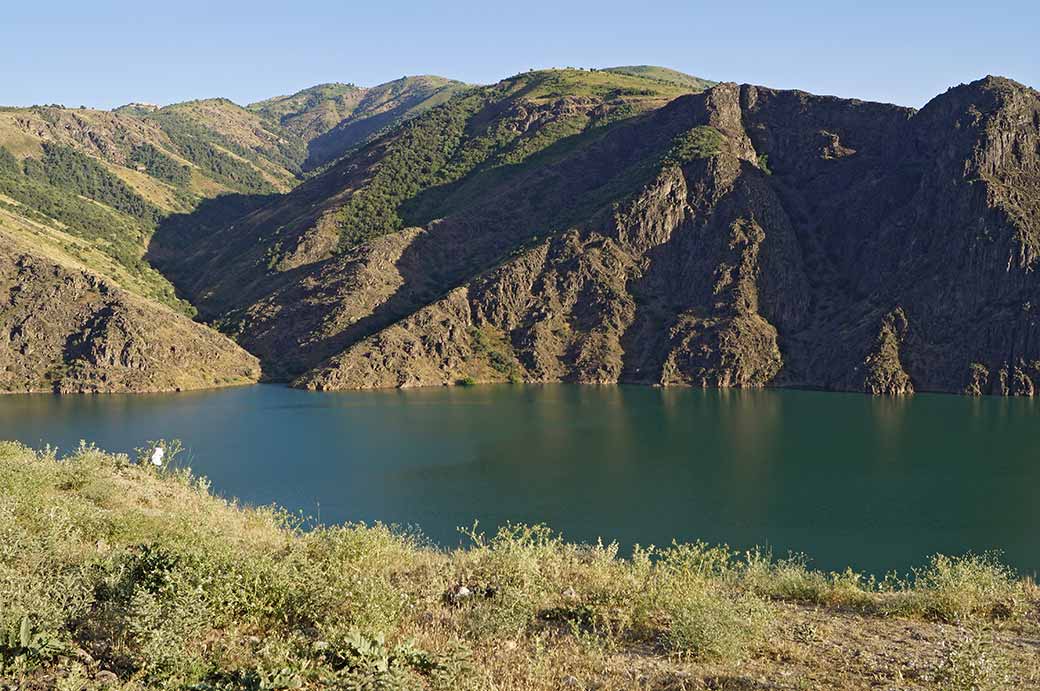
column 700, row 142
column 116, row 573
column 599, row 84
column 663, row 74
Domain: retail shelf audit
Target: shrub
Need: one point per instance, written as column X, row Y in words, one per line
column 970, row 662
column 954, row 589
column 791, row 580
column 712, row 624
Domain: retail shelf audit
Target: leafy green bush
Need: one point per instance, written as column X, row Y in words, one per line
column 763, row 163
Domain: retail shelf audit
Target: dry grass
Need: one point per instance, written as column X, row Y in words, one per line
column 114, row 574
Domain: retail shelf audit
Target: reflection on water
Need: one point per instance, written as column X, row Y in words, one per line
column 851, row 480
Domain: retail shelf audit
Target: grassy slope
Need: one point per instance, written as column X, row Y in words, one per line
column 441, row 162
column 53, row 217
column 88, row 186
column 663, row 74
column 119, row 575
column 315, row 108
column 49, row 238
column 335, row 118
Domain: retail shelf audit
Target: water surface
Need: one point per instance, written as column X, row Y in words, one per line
column 877, row 484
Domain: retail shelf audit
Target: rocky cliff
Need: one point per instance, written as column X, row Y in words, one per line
column 739, row 237
column 66, row 330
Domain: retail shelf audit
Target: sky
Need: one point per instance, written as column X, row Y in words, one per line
column 104, row 53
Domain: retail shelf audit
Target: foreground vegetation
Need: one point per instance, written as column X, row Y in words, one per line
column 118, row 574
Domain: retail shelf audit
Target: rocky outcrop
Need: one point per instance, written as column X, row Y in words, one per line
column 66, row 330
column 740, row 237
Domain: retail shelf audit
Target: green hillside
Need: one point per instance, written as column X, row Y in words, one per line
column 76, row 211
column 664, row 74
column 323, row 104
column 89, row 187
column 334, row 118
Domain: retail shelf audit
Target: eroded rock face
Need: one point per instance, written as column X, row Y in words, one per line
column 67, row 331
column 822, row 242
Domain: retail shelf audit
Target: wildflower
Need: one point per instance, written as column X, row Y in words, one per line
column 157, row 456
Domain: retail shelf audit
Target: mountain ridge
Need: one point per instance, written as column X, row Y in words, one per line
column 767, row 293
column 626, row 224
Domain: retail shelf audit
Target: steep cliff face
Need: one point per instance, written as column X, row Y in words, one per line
column 67, row 330
column 739, row 237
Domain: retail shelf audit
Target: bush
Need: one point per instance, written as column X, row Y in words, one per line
column 955, row 589
column 970, row 662
column 8, row 163
column 693, row 592
column 713, row 624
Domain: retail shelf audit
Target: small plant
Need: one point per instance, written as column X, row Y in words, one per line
column 806, row 632
column 970, row 662
column 955, row 589
column 365, row 661
column 711, row 624
column 159, row 454
column 25, row 647
column 466, row 381
column 763, row 164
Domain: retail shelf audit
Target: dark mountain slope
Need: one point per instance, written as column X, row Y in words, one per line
column 739, row 237
column 452, row 157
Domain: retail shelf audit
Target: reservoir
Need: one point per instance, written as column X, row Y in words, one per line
column 878, row 484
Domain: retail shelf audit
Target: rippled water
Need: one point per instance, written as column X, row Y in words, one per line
column 877, row 484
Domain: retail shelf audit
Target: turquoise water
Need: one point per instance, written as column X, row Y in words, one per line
column 877, row 484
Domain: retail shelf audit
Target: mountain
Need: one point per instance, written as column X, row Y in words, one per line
column 334, row 118
column 575, row 226
column 82, row 191
column 630, row 224
column 452, row 157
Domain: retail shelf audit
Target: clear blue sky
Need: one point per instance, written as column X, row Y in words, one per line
column 103, row 53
